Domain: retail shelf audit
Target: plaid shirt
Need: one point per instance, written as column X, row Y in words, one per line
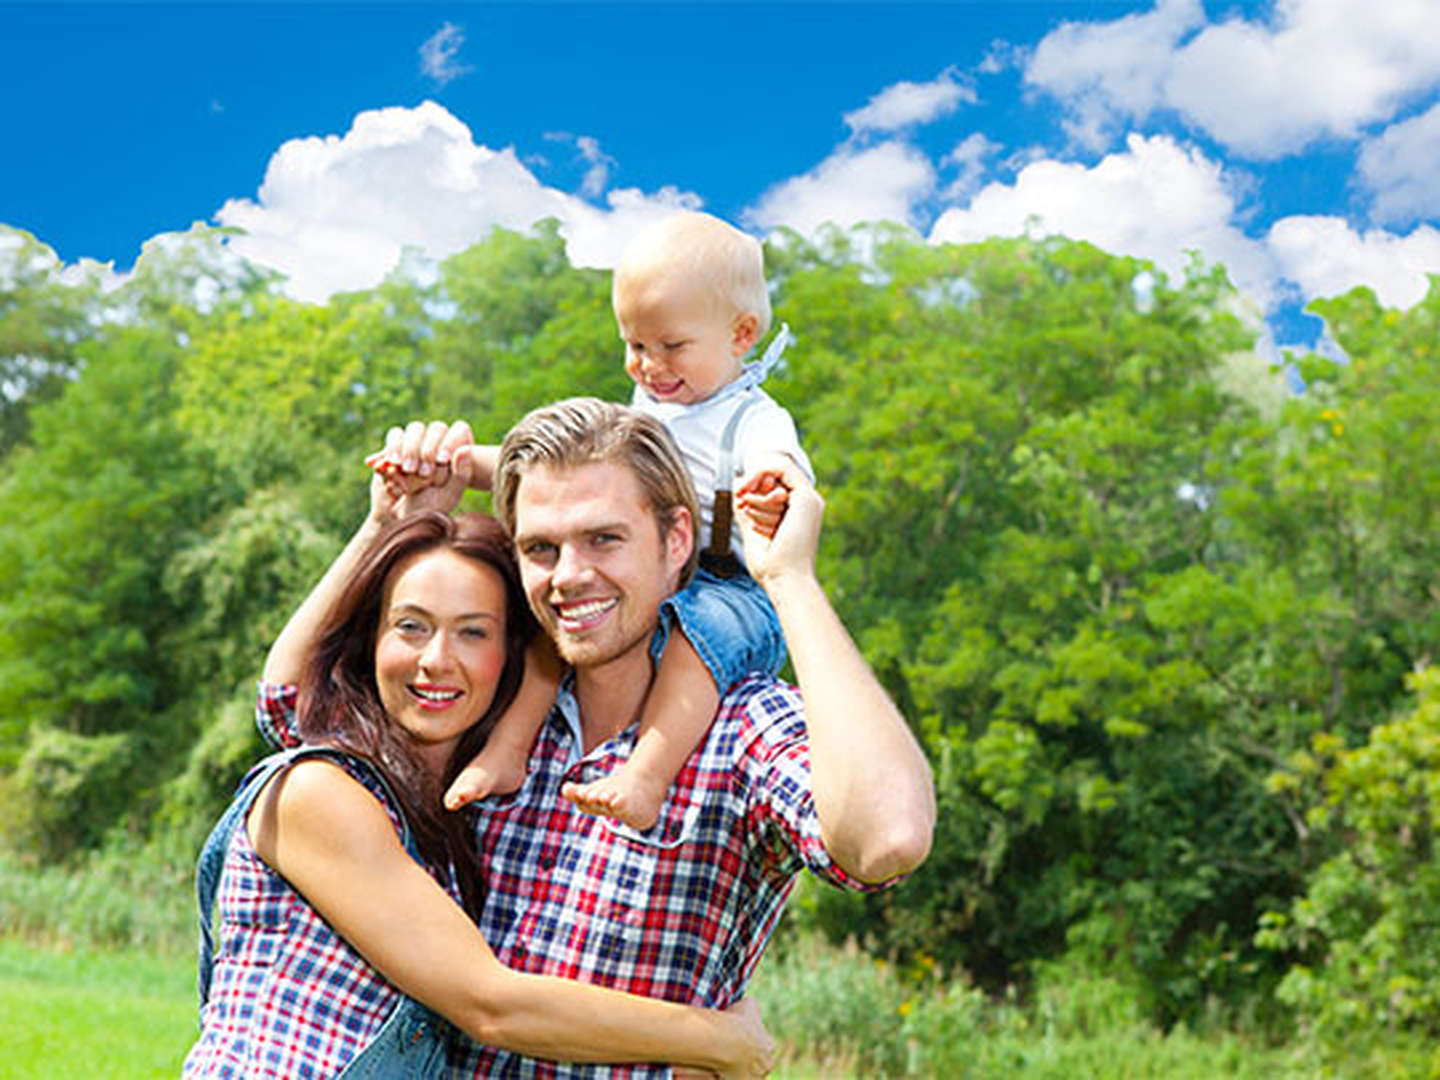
column 289, row 998
column 680, row 912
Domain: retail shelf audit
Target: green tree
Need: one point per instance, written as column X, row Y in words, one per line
column 1024, row 466
column 94, row 507
column 43, row 321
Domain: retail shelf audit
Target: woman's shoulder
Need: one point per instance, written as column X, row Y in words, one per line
column 323, row 800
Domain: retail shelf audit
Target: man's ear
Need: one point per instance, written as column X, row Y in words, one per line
column 744, row 332
column 679, row 539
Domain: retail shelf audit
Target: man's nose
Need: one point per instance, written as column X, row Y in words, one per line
column 569, row 566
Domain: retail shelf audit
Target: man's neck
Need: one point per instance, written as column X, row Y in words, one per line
column 611, row 695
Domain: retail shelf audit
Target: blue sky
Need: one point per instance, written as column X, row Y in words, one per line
column 1293, row 140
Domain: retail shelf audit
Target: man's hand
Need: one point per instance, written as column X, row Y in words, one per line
column 780, row 514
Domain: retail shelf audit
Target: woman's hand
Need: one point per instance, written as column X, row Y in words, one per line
column 422, row 467
column 754, row 1048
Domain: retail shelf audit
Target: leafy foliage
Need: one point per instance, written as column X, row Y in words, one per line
column 1144, row 606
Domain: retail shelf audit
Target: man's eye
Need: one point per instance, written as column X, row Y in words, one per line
column 539, row 551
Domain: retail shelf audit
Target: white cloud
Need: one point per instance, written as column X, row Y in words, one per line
column 335, row 213
column 968, row 159
column 1327, row 257
column 439, row 54
column 1106, row 73
column 1398, row 168
column 1156, row 200
column 1314, row 69
column 598, row 163
column 883, row 182
column 906, row 104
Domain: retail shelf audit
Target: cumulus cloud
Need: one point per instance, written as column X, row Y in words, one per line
column 1398, row 168
column 852, row 185
column 1157, row 200
column 906, row 104
column 1327, row 257
column 1314, row 69
column 439, row 54
column 1106, row 73
column 336, row 213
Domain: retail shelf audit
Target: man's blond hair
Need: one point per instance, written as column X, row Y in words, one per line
column 583, row 431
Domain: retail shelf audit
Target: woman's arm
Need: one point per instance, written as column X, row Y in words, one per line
column 391, row 498
column 330, row 838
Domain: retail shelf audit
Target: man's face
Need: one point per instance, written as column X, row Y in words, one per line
column 593, row 562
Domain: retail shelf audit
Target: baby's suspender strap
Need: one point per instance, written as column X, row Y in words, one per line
column 723, row 513
column 211, row 863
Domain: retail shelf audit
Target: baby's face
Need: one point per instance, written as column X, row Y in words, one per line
column 679, row 346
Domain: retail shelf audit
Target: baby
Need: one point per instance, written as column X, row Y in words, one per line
column 691, row 302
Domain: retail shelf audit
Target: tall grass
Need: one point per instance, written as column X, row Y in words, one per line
column 124, row 894
column 840, row 1013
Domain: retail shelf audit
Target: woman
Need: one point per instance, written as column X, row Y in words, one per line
column 333, row 939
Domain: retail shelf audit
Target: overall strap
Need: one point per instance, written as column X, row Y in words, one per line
column 723, row 513
column 212, row 855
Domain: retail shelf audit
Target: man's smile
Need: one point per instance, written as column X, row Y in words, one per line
column 577, row 616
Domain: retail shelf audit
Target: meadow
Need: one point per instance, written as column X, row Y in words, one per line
column 97, row 979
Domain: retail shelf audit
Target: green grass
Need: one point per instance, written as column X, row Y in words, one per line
column 103, row 1015
column 129, row 1013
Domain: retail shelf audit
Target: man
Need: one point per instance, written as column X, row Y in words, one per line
column 831, row 780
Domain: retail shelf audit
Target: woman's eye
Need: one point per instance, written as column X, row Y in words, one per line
column 476, row 633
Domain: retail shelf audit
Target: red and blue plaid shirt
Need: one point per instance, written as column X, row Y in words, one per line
column 680, row 912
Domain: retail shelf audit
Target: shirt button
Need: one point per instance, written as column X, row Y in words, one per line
column 547, row 862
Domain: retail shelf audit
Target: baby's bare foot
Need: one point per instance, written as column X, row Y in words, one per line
column 624, row 795
column 483, row 777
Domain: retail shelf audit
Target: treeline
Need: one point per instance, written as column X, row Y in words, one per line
column 1161, row 618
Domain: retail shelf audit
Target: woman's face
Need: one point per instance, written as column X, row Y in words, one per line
column 440, row 647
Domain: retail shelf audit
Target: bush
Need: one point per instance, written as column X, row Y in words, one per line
column 67, row 791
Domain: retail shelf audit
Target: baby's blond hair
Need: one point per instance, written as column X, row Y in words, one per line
column 702, row 248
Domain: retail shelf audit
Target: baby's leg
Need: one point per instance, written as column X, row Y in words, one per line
column 501, row 766
column 678, row 710
column 725, row 629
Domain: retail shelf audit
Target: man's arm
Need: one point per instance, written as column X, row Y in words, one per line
column 873, row 791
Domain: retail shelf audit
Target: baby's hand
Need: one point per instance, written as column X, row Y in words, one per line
column 763, row 496
column 420, row 449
